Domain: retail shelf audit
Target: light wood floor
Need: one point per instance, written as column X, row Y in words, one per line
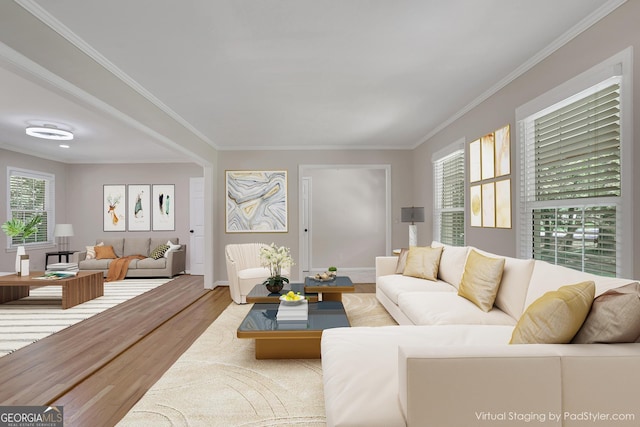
column 99, row 368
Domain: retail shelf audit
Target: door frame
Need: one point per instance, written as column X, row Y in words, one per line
column 306, row 198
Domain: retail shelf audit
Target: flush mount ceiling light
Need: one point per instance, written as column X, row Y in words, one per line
column 49, row 132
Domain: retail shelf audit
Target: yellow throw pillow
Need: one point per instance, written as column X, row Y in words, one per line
column 423, row 262
column 556, row 316
column 481, row 279
column 105, row 252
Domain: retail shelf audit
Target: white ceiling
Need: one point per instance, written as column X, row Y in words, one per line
column 287, row 74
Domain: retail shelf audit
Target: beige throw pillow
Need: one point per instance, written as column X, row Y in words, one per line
column 614, row 317
column 91, row 251
column 423, row 262
column 556, row 316
column 481, row 279
column 402, row 260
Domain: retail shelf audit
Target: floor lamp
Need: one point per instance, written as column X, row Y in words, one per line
column 412, row 215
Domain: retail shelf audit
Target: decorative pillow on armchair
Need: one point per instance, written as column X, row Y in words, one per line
column 105, row 252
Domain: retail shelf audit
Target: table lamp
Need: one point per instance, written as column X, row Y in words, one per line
column 412, row 215
column 63, row 231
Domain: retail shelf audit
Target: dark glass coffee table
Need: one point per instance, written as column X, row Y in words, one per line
column 291, row 339
column 260, row 294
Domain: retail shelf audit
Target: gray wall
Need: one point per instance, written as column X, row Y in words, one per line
column 79, row 198
column 84, row 199
column 611, row 35
column 401, row 191
column 79, row 186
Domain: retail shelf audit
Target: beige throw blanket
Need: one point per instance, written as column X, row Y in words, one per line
column 119, row 267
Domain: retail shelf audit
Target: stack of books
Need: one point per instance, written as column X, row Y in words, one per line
column 63, row 266
column 293, row 313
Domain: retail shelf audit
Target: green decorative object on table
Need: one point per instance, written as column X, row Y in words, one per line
column 275, row 258
column 18, row 228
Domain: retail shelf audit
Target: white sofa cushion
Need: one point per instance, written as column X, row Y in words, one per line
column 451, row 263
column 395, row 284
column 351, row 355
column 448, row 308
column 548, row 277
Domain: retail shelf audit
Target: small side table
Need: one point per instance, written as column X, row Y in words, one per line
column 59, row 254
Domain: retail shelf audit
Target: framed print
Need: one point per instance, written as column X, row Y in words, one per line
column 113, row 208
column 163, row 207
column 503, row 151
column 475, row 196
column 256, row 201
column 488, row 205
column 487, row 150
column 139, row 207
column 503, row 203
column 474, row 161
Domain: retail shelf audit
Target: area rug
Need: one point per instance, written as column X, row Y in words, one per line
column 218, row 381
column 39, row 315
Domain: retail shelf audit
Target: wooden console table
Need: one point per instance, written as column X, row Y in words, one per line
column 85, row 286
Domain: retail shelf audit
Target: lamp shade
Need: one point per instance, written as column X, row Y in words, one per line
column 63, row 230
column 412, row 214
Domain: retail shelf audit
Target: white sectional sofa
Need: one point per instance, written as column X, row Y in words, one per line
column 450, row 364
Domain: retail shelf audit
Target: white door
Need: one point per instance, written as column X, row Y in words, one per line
column 305, row 232
column 196, row 220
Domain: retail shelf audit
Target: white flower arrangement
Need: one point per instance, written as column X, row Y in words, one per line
column 275, row 258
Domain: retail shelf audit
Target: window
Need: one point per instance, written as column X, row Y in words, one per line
column 571, row 185
column 31, row 193
column 448, row 211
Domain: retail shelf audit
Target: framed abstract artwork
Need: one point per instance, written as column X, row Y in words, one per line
column 113, row 208
column 503, row 203
column 475, row 197
column 503, row 151
column 163, row 207
column 490, row 196
column 256, row 201
column 488, row 205
column 139, row 207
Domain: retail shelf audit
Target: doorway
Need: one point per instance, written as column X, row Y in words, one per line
column 345, row 213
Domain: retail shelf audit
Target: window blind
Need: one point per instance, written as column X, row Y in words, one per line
column 571, row 183
column 449, row 198
column 31, row 194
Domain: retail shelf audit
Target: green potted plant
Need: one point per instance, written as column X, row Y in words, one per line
column 20, row 229
column 333, row 271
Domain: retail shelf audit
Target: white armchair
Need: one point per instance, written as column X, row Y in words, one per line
column 244, row 270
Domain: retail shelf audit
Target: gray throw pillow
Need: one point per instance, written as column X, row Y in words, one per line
column 614, row 317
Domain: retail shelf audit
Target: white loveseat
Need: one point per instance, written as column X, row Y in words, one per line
column 449, row 363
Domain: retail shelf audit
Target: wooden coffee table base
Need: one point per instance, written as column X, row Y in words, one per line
column 288, row 348
column 76, row 290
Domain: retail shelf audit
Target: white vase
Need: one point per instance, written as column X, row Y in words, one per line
column 19, row 252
